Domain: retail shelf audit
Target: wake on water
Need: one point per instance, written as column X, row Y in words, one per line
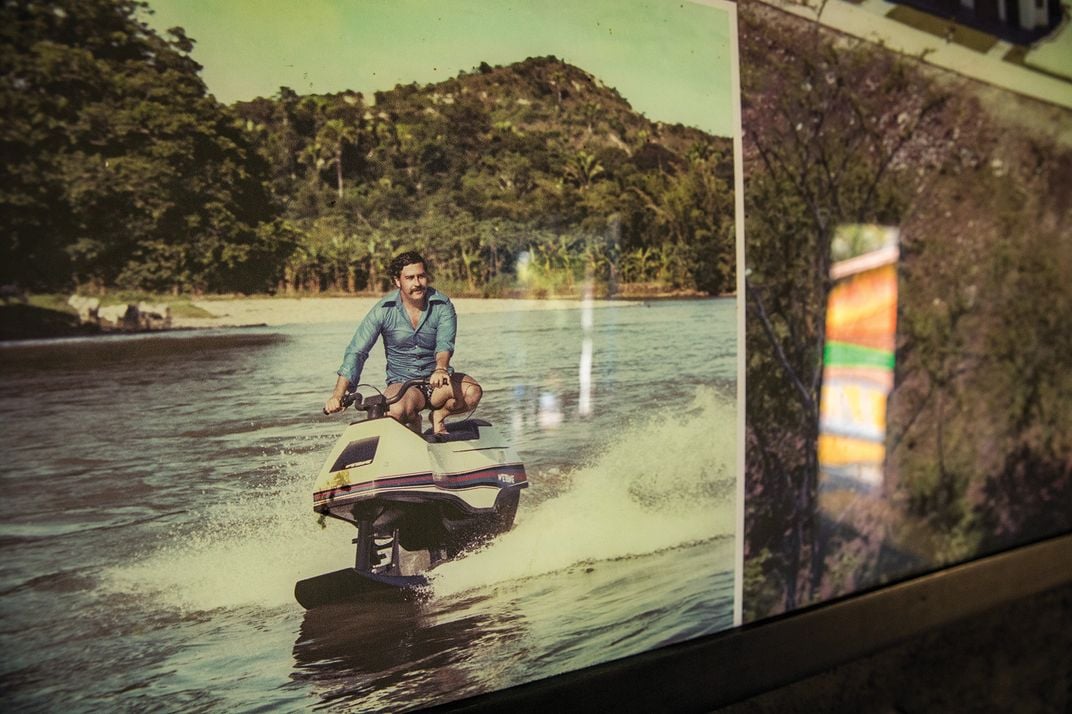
column 248, row 551
column 667, row 482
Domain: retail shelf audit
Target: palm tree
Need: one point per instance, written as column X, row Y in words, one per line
column 328, row 146
column 584, row 169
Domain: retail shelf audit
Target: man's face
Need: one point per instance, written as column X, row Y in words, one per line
column 413, row 282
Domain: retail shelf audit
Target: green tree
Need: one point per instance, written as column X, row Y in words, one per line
column 583, row 169
column 120, row 169
column 474, row 167
column 328, row 146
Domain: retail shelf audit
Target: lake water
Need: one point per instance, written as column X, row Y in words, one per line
column 157, row 510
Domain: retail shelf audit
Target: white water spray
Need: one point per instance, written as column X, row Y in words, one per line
column 656, row 486
column 249, row 552
column 663, row 484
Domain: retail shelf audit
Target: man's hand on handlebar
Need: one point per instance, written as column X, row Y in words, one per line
column 333, row 405
column 338, row 401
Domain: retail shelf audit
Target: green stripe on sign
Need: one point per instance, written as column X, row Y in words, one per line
column 843, row 354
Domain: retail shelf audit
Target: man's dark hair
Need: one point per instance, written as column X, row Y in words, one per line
column 402, row 260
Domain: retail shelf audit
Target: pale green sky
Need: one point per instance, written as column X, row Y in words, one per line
column 669, row 58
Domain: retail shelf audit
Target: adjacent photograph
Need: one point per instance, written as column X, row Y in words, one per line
column 909, row 290
column 365, row 356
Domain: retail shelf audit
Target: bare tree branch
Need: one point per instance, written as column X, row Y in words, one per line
column 760, row 311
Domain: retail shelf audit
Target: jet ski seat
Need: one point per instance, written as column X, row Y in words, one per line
column 457, row 431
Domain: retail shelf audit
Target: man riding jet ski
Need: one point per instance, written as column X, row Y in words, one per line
column 415, row 498
column 418, row 325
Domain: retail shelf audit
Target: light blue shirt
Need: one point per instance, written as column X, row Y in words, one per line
column 410, row 352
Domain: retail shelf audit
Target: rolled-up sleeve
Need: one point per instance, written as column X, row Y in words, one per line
column 447, row 328
column 353, row 361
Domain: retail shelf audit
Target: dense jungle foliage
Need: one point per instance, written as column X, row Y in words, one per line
column 979, row 425
column 120, row 170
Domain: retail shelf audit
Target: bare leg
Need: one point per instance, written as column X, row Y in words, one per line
column 407, row 409
column 460, row 396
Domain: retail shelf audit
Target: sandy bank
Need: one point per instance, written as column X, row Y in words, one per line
column 238, row 312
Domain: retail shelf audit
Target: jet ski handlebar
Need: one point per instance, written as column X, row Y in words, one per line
column 375, row 406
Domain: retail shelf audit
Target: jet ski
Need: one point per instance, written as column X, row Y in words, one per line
column 416, row 499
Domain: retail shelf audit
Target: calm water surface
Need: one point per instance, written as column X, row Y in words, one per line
column 155, row 494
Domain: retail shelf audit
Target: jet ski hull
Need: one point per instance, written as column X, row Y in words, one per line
column 415, row 500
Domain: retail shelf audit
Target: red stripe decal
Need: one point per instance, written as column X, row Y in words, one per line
column 465, row 478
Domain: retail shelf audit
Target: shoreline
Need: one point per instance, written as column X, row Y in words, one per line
column 23, row 322
column 279, row 311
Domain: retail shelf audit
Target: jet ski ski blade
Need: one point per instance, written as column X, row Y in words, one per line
column 351, row 584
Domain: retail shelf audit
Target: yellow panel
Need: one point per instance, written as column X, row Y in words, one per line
column 842, row 450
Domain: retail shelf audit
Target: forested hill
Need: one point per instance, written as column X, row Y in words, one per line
column 536, row 157
column 122, row 171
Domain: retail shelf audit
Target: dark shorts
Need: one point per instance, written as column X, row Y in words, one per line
column 426, row 390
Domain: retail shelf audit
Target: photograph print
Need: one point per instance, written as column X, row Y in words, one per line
column 397, row 355
column 908, row 294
